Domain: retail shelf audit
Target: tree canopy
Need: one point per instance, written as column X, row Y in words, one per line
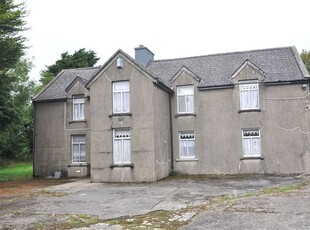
column 305, row 56
column 79, row 59
column 12, row 46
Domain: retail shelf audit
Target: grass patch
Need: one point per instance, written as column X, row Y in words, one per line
column 17, row 171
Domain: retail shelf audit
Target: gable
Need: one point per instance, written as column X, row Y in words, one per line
column 185, row 73
column 248, row 71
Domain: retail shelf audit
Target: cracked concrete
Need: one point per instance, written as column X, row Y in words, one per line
column 112, row 200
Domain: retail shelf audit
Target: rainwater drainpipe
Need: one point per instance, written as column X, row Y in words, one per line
column 171, row 136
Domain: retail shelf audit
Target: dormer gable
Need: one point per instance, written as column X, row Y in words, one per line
column 79, row 79
column 186, row 74
column 248, row 71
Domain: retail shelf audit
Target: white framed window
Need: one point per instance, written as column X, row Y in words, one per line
column 121, row 97
column 251, row 143
column 187, row 145
column 78, row 149
column 121, row 146
column 78, row 107
column 249, row 95
column 185, row 99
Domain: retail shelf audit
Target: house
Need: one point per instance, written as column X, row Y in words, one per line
column 134, row 120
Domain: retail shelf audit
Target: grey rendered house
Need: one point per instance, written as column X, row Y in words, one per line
column 134, row 120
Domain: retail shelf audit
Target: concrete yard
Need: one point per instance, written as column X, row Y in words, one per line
column 202, row 202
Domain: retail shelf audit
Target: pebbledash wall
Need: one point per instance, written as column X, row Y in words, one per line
column 216, row 124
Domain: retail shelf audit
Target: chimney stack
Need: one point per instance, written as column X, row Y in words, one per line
column 143, row 55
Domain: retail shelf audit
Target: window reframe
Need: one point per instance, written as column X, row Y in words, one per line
column 251, row 138
column 79, row 143
column 186, row 96
column 242, row 85
column 80, row 106
column 187, row 140
column 122, row 139
column 122, row 93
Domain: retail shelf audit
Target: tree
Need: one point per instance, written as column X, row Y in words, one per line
column 305, row 56
column 79, row 59
column 16, row 137
column 11, row 49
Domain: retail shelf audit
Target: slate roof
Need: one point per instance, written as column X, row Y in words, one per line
column 57, row 88
column 279, row 64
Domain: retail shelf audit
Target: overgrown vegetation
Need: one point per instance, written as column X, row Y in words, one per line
column 16, row 172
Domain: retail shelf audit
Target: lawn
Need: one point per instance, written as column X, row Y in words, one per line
column 16, row 171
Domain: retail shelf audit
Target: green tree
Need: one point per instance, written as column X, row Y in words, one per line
column 305, row 56
column 79, row 59
column 16, row 137
column 12, row 47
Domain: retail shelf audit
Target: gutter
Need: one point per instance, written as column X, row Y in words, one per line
column 33, row 142
column 212, row 87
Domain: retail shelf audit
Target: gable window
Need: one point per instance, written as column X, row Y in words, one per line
column 187, row 145
column 121, row 97
column 78, row 107
column 121, row 146
column 251, row 143
column 185, row 99
column 78, row 148
column 249, row 95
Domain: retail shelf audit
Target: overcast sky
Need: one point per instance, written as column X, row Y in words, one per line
column 169, row 28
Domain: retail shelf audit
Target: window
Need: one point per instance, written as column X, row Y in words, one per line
column 185, row 99
column 187, row 144
column 78, row 149
column 121, row 146
column 78, row 108
column 249, row 95
column 251, row 143
column 121, row 97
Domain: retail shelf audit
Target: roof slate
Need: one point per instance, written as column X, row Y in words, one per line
column 57, row 88
column 279, row 64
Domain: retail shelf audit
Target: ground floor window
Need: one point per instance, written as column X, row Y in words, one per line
column 187, row 144
column 121, row 146
column 251, row 142
column 78, row 148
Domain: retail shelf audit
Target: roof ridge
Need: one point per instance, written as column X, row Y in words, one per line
column 221, row 54
column 83, row 68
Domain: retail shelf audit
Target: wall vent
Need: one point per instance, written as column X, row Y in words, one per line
column 120, row 63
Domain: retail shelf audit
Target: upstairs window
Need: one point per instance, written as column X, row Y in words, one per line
column 251, row 143
column 78, row 149
column 249, row 95
column 121, row 97
column 121, row 146
column 185, row 99
column 187, row 145
column 78, row 107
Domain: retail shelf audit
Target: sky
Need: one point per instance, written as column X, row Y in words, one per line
column 169, row 28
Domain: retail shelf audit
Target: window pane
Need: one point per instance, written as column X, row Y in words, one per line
column 117, row 102
column 75, row 153
column 185, row 90
column 190, row 104
column 127, row 150
column 117, row 151
column 121, row 86
column 246, row 146
column 82, row 111
column 183, row 148
column 256, row 146
column 75, row 112
column 79, row 138
column 126, row 102
column 182, row 104
column 82, row 153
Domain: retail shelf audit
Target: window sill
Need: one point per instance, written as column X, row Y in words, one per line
column 252, row 158
column 78, row 165
column 249, row 110
column 185, row 114
column 131, row 165
column 120, row 114
column 186, row 159
column 77, row 121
